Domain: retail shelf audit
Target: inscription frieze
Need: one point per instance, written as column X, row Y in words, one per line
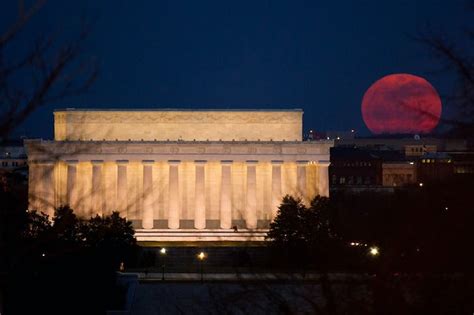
column 177, row 117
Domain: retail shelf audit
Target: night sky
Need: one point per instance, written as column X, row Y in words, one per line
column 320, row 56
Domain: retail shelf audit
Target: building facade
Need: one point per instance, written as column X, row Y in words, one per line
column 178, row 175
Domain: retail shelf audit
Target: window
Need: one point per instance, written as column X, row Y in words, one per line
column 359, row 180
column 334, row 179
column 342, row 180
column 4, row 163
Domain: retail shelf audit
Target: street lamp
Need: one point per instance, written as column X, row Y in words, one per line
column 420, row 184
column 374, row 251
column 163, row 255
column 201, row 256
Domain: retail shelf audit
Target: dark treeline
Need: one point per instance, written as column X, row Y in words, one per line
column 423, row 236
column 64, row 265
column 425, row 228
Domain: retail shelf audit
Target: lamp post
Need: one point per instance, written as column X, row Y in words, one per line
column 163, row 255
column 201, row 256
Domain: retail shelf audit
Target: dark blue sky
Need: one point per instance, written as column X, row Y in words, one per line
column 320, row 56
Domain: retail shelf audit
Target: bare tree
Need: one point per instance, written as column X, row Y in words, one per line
column 50, row 70
column 456, row 58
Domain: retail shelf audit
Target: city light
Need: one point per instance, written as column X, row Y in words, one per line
column 374, row 251
column 163, row 253
column 201, row 256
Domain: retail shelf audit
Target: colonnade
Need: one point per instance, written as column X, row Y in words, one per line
column 98, row 195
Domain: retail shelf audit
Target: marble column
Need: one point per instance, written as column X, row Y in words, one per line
column 323, row 178
column 72, row 189
column 46, row 200
column 97, row 188
column 301, row 179
column 34, row 179
column 122, row 188
column 173, row 208
column 147, row 209
column 226, row 195
column 200, row 196
column 251, row 207
column 276, row 187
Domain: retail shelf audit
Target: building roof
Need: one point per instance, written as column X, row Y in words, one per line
column 179, row 110
column 345, row 153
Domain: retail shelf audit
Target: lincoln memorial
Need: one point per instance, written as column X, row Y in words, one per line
column 178, row 175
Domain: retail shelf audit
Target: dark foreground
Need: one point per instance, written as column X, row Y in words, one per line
column 299, row 294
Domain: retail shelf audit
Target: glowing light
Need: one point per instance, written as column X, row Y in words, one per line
column 374, row 251
column 43, row 255
column 411, row 163
column 163, row 251
column 201, row 256
column 446, row 208
column 421, row 184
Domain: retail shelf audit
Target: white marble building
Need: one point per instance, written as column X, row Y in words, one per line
column 178, row 175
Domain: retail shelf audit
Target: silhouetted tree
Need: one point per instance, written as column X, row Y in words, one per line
column 76, row 259
column 50, row 69
column 286, row 228
column 303, row 233
column 109, row 231
column 456, row 58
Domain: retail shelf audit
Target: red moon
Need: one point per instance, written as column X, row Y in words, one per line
column 401, row 103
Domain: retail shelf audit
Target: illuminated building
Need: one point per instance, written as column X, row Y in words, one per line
column 178, row 174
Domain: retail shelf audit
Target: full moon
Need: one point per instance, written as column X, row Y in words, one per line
column 401, row 103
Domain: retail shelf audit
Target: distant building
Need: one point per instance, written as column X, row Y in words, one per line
column 435, row 166
column 12, row 155
column 355, row 169
column 463, row 162
column 420, row 149
column 404, row 143
column 385, row 163
column 398, row 173
column 13, row 165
